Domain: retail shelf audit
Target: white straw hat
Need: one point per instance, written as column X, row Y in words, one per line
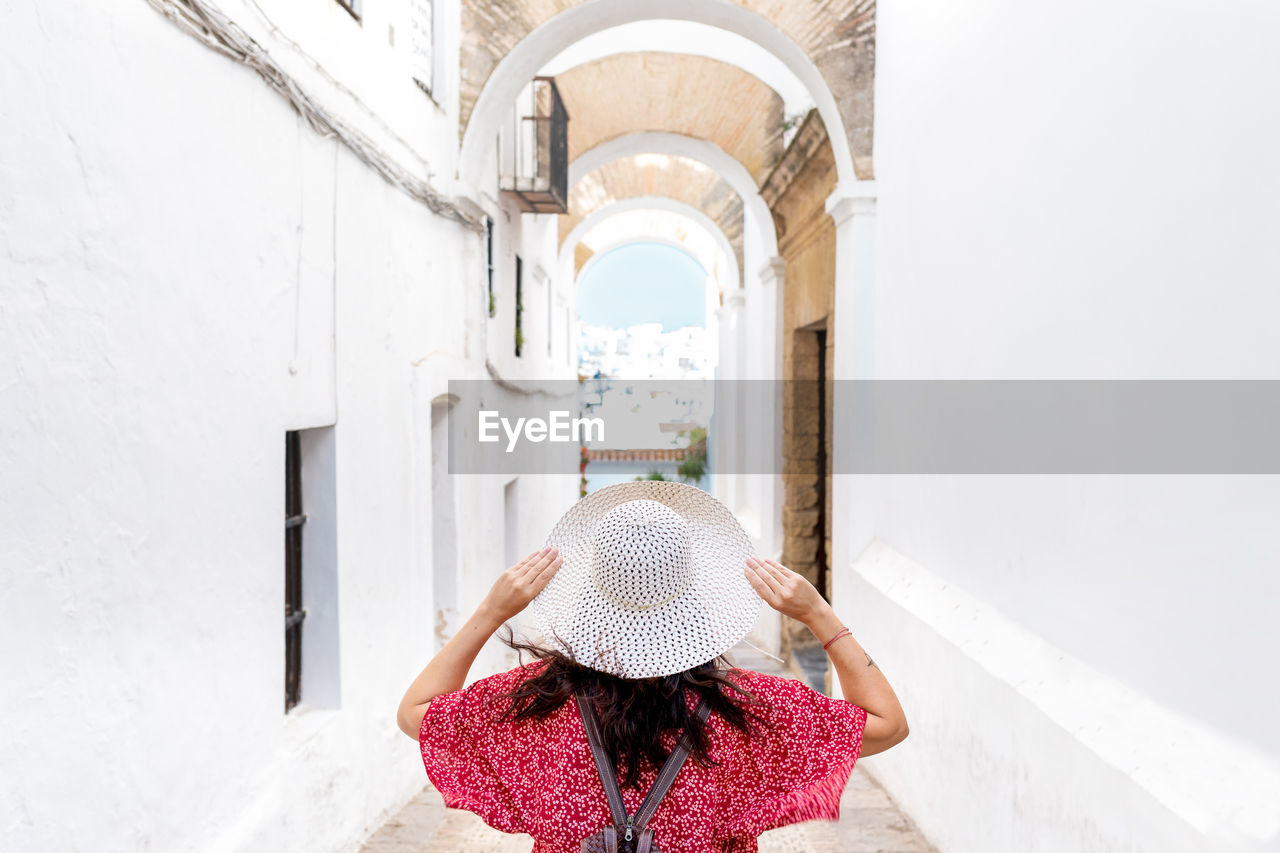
column 651, row 581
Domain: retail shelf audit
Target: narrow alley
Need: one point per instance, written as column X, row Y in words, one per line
column 964, row 312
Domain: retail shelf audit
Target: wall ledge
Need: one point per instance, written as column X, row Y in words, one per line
column 1221, row 788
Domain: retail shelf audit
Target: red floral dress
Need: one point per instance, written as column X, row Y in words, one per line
column 537, row 776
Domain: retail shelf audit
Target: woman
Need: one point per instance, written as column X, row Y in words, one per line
column 641, row 590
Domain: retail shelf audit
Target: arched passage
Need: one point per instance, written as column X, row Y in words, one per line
column 658, row 175
column 726, row 272
column 637, row 264
column 759, row 220
column 694, row 39
column 690, row 95
column 547, row 40
column 659, row 239
column 827, row 44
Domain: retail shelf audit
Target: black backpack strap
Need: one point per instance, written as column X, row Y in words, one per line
column 603, row 765
column 667, row 775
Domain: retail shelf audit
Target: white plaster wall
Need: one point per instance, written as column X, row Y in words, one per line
column 362, row 70
column 534, row 238
column 174, row 239
column 1069, row 177
column 1077, row 192
column 1041, row 744
column 541, row 500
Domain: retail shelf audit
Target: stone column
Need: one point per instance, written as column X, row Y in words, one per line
column 853, row 207
column 768, row 485
column 724, row 446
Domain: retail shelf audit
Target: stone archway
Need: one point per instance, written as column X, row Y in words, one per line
column 827, row 44
column 695, row 217
column 627, row 92
column 802, row 34
column 687, row 229
column 758, row 218
column 678, row 178
column 660, row 239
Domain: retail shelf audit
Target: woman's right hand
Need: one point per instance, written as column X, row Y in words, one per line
column 447, row 671
column 520, row 584
column 785, row 591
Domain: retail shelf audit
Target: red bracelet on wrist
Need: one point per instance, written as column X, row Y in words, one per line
column 843, row 632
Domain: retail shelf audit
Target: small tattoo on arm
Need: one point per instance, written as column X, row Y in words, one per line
column 870, row 662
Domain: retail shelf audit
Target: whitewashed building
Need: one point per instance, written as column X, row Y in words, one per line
column 192, row 271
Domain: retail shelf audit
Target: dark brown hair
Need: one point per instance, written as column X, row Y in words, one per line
column 634, row 714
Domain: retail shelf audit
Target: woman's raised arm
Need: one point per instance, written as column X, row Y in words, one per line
column 447, row 671
column 861, row 681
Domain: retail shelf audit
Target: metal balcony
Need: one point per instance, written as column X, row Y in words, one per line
column 533, row 150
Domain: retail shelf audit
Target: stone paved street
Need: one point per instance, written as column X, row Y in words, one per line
column 869, row 822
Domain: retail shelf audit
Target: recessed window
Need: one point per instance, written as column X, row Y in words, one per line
column 294, row 613
column 310, row 570
column 422, row 44
column 519, row 305
column 488, row 248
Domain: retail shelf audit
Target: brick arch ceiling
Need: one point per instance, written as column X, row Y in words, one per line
column 675, row 93
column 647, row 175
column 642, row 219
column 838, row 36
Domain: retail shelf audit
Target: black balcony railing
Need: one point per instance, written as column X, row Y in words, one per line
column 534, row 150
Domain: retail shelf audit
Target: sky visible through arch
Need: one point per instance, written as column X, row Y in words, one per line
column 643, row 283
column 634, row 285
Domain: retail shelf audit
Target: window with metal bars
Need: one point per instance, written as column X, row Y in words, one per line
column 421, row 21
column 519, row 305
column 294, row 613
column 488, row 243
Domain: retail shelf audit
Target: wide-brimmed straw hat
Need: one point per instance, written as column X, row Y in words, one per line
column 651, row 581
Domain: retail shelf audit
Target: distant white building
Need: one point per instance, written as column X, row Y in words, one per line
column 645, row 351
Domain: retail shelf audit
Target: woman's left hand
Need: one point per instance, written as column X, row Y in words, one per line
column 521, row 583
column 786, row 591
